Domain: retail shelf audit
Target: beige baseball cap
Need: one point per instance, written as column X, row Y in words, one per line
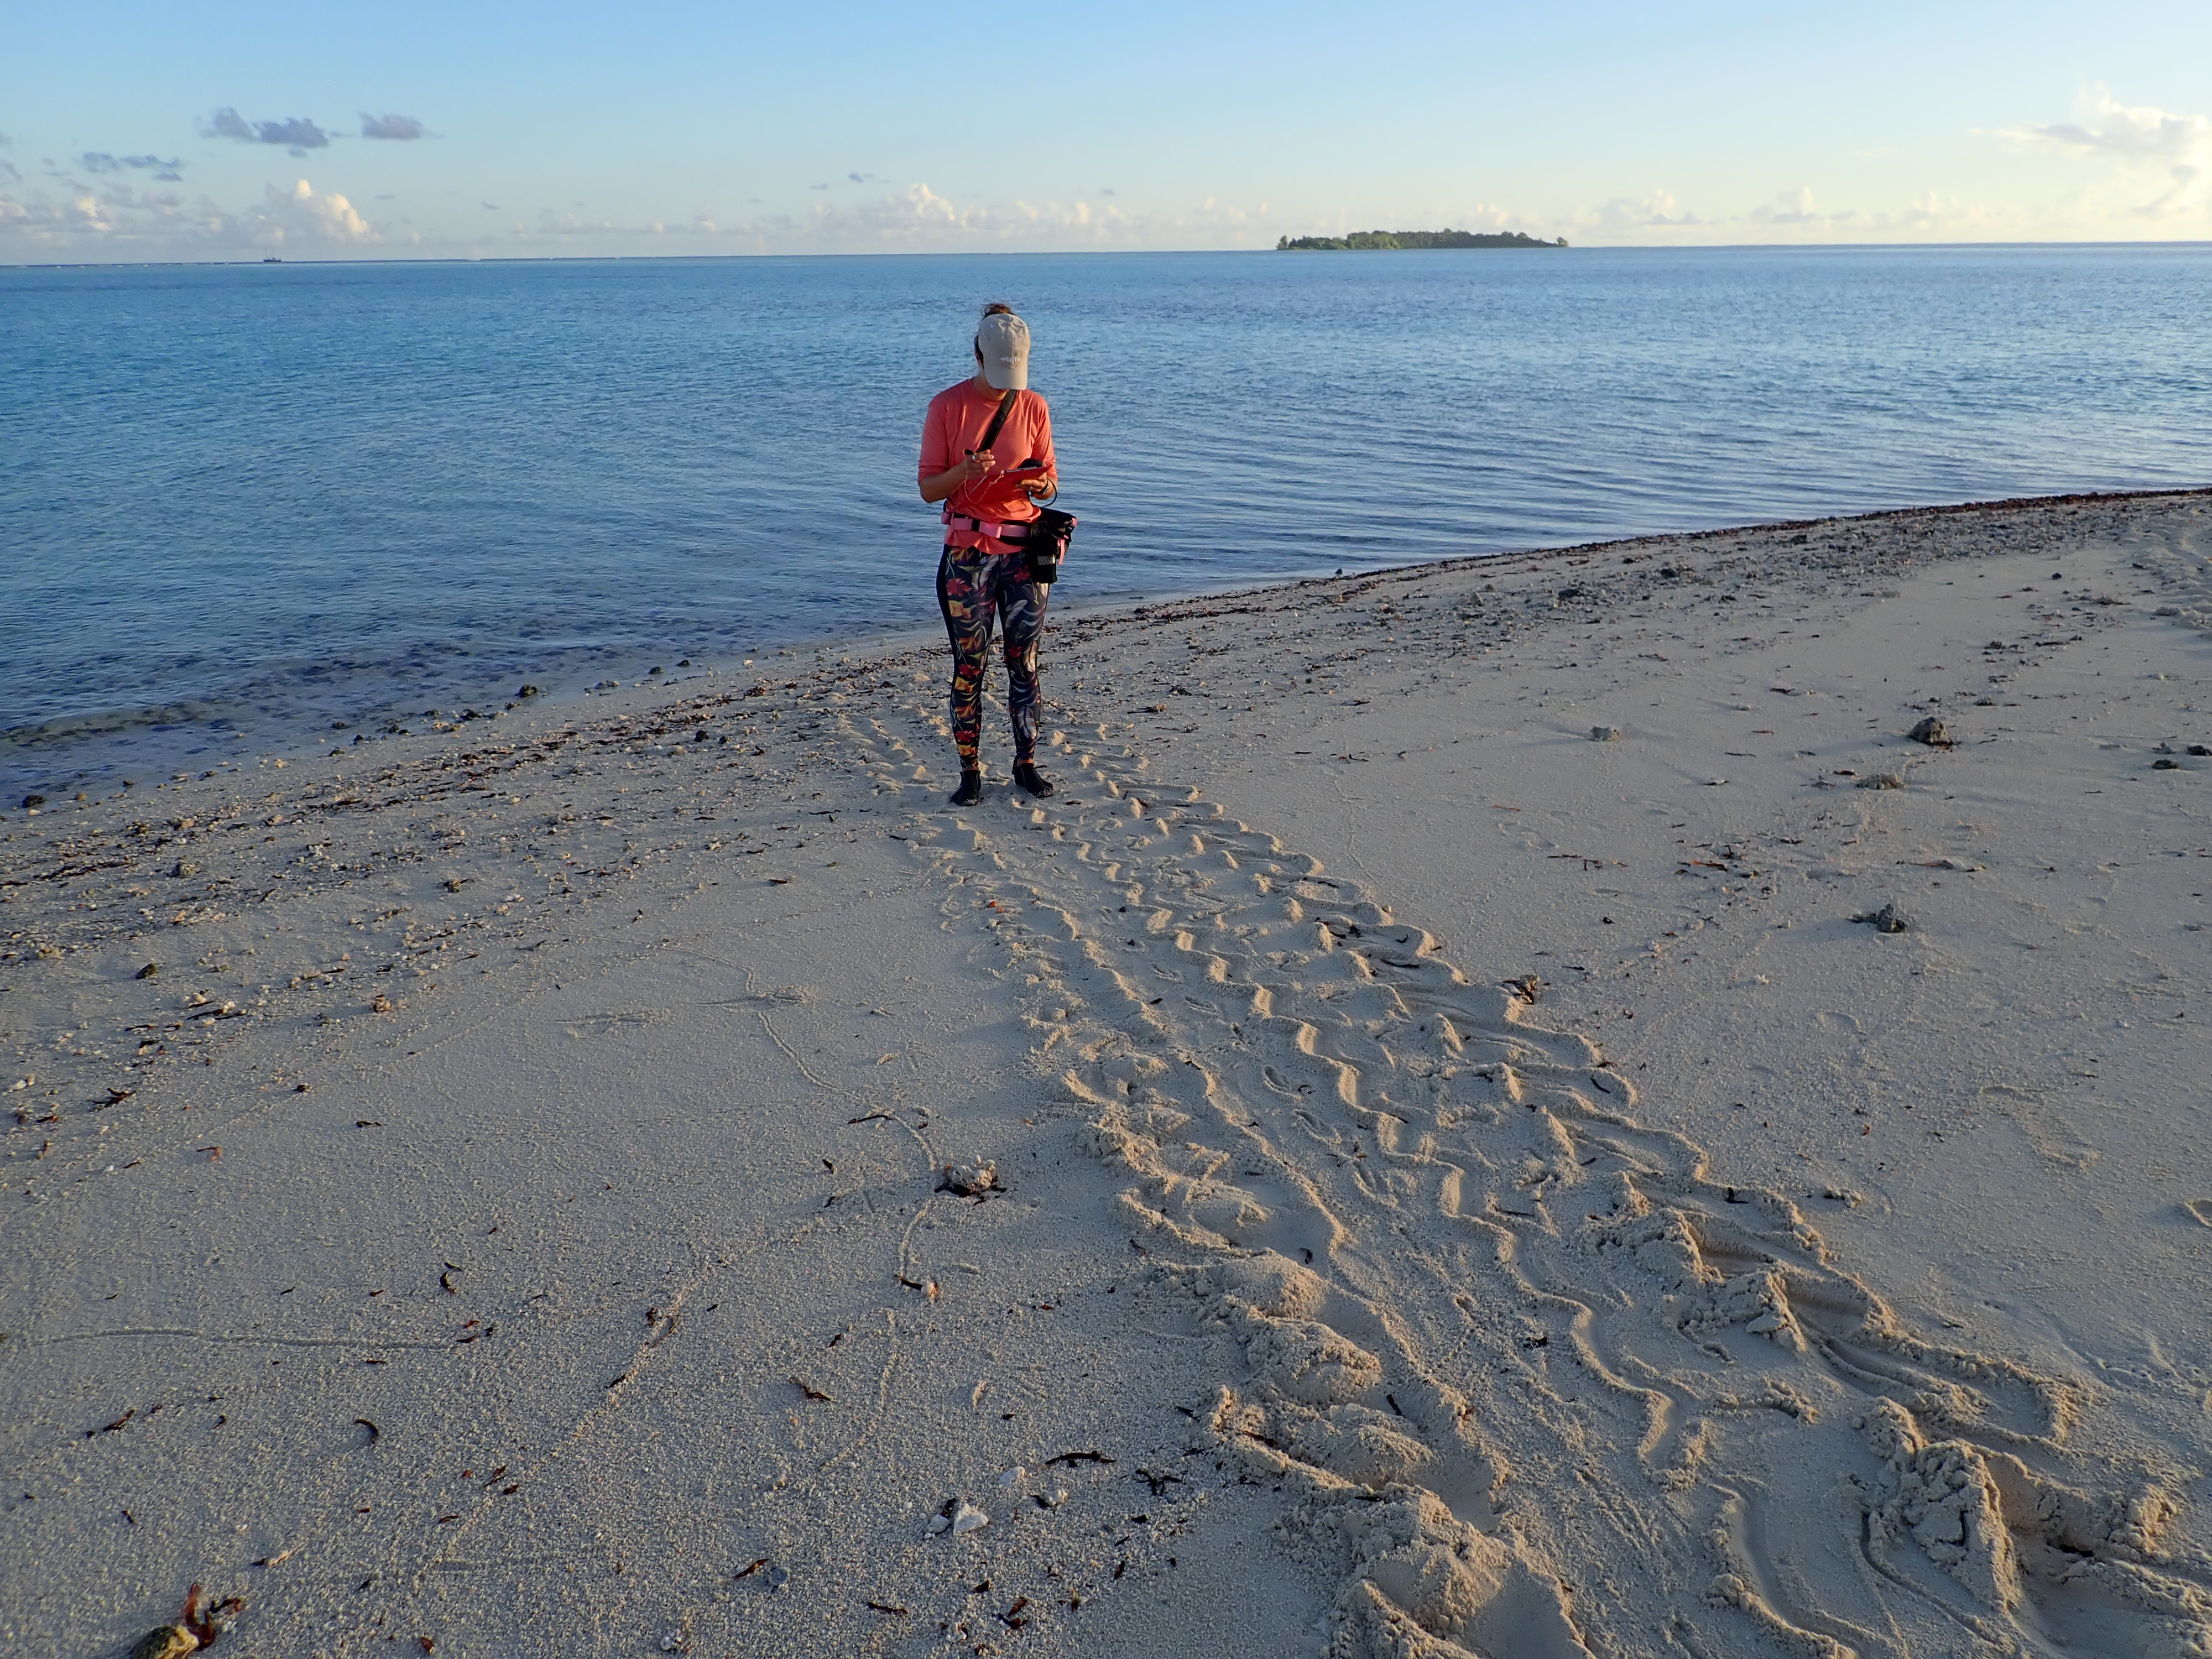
column 1004, row 340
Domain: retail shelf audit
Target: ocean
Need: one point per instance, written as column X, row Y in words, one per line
column 246, row 508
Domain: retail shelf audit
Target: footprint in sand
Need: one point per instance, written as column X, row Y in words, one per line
column 1544, row 1383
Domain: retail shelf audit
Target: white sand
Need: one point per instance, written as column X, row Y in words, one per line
column 1770, row 1285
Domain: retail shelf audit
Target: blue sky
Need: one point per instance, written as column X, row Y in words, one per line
column 167, row 132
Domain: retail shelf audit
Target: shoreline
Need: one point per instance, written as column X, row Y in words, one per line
column 129, row 745
column 1419, row 1100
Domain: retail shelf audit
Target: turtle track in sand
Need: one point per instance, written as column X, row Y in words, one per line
column 1547, row 1385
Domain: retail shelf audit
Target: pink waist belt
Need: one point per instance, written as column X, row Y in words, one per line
column 1015, row 532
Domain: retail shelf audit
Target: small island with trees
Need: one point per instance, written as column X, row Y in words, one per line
column 1375, row 239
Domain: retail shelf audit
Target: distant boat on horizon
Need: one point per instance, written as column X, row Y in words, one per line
column 271, row 259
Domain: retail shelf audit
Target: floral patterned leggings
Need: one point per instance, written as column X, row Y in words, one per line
column 973, row 588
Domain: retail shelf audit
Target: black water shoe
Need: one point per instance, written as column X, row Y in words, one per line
column 1030, row 779
column 970, row 790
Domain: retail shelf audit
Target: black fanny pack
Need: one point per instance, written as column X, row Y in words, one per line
column 1045, row 543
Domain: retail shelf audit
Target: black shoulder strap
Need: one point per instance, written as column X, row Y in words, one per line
column 1006, row 408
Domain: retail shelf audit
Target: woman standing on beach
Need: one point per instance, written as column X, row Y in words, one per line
column 983, row 574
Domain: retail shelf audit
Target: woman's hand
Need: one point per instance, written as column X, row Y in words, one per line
column 954, row 479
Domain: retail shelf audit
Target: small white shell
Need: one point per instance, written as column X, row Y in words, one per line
column 967, row 1518
column 938, row 1523
column 967, row 1180
column 1014, row 1477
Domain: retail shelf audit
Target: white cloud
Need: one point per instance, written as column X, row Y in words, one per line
column 1934, row 216
column 918, row 219
column 116, row 221
column 2181, row 195
column 1794, row 208
column 1658, row 211
column 1658, row 219
column 2137, row 143
column 2141, row 135
column 300, row 215
column 1797, row 215
column 89, row 220
column 1931, row 207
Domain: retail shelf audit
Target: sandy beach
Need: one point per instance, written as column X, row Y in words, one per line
column 1507, row 1107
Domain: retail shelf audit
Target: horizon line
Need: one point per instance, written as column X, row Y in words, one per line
column 1062, row 253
